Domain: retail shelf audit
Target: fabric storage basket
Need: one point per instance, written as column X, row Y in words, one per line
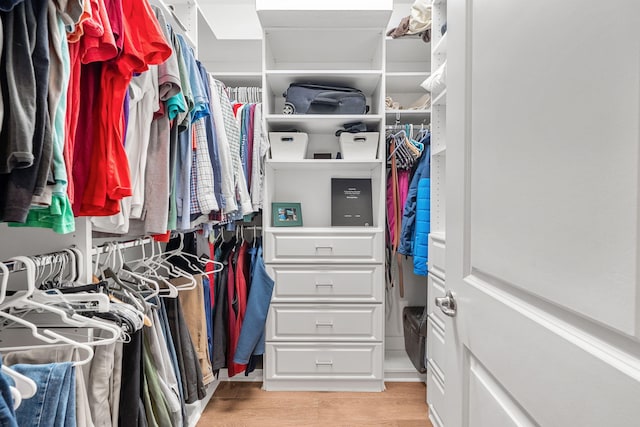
column 414, row 321
column 288, row 145
column 359, row 146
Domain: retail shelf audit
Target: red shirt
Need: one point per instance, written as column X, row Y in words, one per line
column 96, row 45
column 143, row 45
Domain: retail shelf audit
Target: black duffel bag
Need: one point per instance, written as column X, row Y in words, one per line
column 311, row 98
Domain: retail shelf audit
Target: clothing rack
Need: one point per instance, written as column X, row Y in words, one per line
column 398, row 126
column 98, row 250
column 245, row 94
column 42, row 260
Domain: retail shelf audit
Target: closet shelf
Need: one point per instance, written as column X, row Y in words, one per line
column 405, row 82
column 407, row 54
column 333, row 231
column 406, row 37
column 309, row 48
column 365, row 80
column 328, row 16
column 407, row 113
column 416, row 117
column 441, row 99
column 405, row 74
column 236, row 73
column 441, row 46
column 319, row 123
column 329, row 164
column 240, row 78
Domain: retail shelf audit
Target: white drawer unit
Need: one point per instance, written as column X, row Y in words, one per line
column 435, row 390
column 327, row 283
column 436, row 290
column 300, row 361
column 436, row 352
column 437, row 254
column 325, row 326
column 434, row 417
column 325, row 323
column 338, row 247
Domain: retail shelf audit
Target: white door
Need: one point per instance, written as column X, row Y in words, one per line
column 543, row 218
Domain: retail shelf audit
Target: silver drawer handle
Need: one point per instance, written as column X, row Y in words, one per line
column 327, row 324
column 326, row 363
column 324, row 285
column 330, row 247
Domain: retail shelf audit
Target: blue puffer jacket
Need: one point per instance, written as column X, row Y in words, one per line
column 423, row 227
column 407, row 235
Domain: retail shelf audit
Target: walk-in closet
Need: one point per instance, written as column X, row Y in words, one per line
column 275, row 212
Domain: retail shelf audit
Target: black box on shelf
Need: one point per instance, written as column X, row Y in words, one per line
column 351, row 204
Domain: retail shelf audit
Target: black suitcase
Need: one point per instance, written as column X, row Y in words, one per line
column 312, row 98
column 414, row 320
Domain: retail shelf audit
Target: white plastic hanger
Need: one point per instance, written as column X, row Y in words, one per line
column 47, row 336
column 172, row 270
column 24, row 385
column 23, row 300
column 218, row 266
column 150, row 266
column 5, row 279
column 93, row 301
column 16, row 396
column 152, row 284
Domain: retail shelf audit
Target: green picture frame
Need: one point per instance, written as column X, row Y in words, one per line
column 286, row 214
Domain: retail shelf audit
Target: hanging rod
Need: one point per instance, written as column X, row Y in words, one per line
column 97, row 250
column 41, row 260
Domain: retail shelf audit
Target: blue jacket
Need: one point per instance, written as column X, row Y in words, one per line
column 407, row 235
column 252, row 335
column 423, row 227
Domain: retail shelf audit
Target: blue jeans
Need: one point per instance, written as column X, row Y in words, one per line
column 54, row 404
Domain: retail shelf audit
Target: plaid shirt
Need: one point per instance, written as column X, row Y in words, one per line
column 205, row 192
column 232, row 130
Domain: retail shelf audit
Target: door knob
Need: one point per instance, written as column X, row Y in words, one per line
column 447, row 304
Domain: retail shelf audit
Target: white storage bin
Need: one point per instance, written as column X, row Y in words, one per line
column 359, row 146
column 288, row 145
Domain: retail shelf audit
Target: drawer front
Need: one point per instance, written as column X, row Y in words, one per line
column 291, row 361
column 435, row 348
column 435, row 419
column 327, row 323
column 435, row 390
column 327, row 283
column 435, row 290
column 343, row 247
column 436, row 255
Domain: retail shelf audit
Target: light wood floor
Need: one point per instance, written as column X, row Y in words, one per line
column 246, row 404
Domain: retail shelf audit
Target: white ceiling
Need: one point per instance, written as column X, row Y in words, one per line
column 238, row 20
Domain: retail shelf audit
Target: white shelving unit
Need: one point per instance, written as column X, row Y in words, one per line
column 325, row 329
column 436, row 375
column 407, row 64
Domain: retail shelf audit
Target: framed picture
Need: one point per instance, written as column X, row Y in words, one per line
column 286, row 214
